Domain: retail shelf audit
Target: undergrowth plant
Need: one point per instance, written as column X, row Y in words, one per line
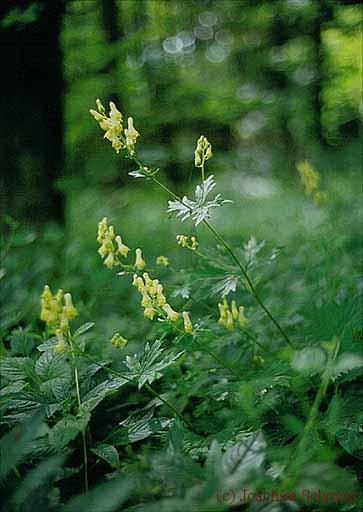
column 238, row 397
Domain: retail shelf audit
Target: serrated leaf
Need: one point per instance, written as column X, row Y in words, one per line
column 346, row 363
column 16, row 368
column 146, row 368
column 97, row 394
column 84, row 328
column 67, row 429
column 108, row 453
column 351, row 439
column 54, row 371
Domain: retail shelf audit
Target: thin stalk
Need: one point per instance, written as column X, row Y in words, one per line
column 84, row 443
column 313, row 414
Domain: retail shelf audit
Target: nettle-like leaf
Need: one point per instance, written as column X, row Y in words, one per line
column 108, row 453
column 351, row 439
column 67, row 429
column 346, row 363
column 147, row 368
column 137, row 428
column 55, row 374
column 198, row 209
column 101, row 391
column 17, row 368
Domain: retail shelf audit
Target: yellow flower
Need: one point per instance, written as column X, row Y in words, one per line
column 131, row 135
column 171, row 314
column 70, row 310
column 234, row 310
column 188, row 327
column 242, row 320
column 229, row 321
column 122, row 248
column 149, row 313
column 182, row 240
column 139, row 262
column 119, row 341
column 162, row 260
column 222, row 314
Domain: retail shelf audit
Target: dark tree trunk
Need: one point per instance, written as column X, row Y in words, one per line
column 114, row 34
column 31, row 105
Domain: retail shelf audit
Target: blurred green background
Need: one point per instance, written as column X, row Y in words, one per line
column 270, row 83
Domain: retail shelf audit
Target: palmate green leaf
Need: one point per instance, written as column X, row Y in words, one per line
column 67, row 429
column 108, row 453
column 146, row 368
column 100, row 392
column 21, row 341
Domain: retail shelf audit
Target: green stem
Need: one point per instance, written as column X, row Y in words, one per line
column 84, row 443
column 313, row 414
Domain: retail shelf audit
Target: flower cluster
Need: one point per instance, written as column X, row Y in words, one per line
column 110, row 244
column 230, row 315
column 112, row 125
column 163, row 261
column 203, row 151
column 311, row 180
column 186, row 242
column 57, row 311
column 154, row 301
column 118, row 341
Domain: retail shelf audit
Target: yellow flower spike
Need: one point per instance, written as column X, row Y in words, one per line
column 149, row 313
column 118, row 341
column 61, row 345
column 203, row 151
column 229, row 321
column 112, row 125
column 71, row 311
column 188, row 327
column 242, row 320
column 155, row 285
column 171, row 314
column 131, row 135
column 46, row 294
column 234, row 310
column 139, row 262
column 162, row 261
column 110, row 260
column 122, row 248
